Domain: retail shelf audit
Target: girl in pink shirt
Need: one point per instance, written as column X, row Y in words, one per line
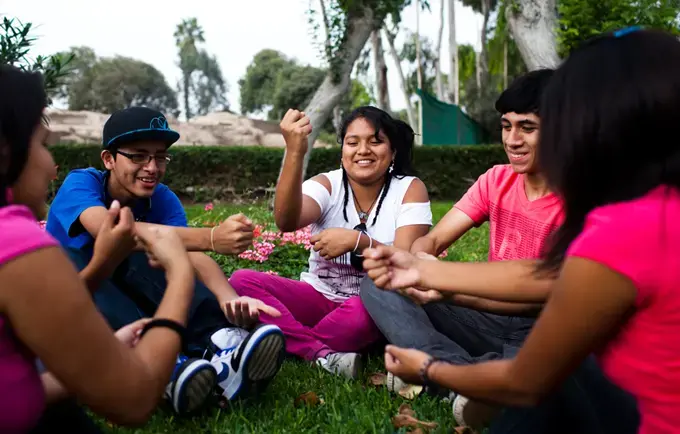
column 46, row 311
column 609, row 148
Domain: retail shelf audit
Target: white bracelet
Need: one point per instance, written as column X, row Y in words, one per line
column 370, row 243
column 358, row 241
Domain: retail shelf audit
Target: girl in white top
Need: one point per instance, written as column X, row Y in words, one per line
column 371, row 200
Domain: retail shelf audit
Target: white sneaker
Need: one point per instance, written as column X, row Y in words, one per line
column 343, row 364
column 474, row 414
column 394, row 383
column 251, row 364
column 458, row 406
column 192, row 383
column 224, row 339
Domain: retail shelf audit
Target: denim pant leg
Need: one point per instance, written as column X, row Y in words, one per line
column 146, row 285
column 406, row 324
column 485, row 336
column 586, row 400
column 116, row 307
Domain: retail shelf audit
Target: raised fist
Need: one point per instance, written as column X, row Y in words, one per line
column 296, row 127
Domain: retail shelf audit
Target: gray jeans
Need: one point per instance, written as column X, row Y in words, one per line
column 452, row 333
column 463, row 336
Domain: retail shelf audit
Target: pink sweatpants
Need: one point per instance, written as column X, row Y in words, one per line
column 314, row 326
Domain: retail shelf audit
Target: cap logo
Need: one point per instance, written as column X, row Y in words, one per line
column 159, row 123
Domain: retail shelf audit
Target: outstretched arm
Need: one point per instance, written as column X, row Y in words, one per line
column 449, row 229
column 292, row 209
column 576, row 320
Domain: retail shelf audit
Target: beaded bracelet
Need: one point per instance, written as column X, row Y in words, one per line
column 424, row 378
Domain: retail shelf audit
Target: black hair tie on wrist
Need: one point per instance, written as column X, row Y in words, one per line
column 168, row 323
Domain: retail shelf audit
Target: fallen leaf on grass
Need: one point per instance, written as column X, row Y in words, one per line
column 310, row 398
column 406, row 421
column 411, row 391
column 378, row 379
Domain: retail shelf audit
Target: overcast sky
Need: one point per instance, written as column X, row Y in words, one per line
column 234, row 31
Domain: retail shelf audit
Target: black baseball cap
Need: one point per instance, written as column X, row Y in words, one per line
column 135, row 124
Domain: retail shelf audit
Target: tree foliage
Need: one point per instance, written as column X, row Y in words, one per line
column 340, row 12
column 580, row 20
column 273, row 83
column 15, row 44
column 203, row 86
column 107, row 84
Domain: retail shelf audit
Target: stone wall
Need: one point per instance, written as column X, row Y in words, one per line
column 221, row 128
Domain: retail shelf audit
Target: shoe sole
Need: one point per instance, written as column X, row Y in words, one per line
column 358, row 367
column 195, row 384
column 260, row 362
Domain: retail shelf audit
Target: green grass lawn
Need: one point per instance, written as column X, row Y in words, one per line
column 348, row 406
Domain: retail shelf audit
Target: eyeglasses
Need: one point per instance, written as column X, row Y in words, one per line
column 161, row 160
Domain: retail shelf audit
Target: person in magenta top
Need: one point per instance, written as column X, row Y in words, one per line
column 46, row 311
column 609, row 148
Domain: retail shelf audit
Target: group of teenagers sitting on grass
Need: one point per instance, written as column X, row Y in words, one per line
column 573, row 321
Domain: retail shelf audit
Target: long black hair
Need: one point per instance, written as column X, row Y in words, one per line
column 22, row 101
column 609, row 126
column 401, row 137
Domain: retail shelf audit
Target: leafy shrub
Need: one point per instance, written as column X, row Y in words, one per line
column 204, row 173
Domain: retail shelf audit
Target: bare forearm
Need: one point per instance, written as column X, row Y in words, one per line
column 487, row 381
column 194, row 239
column 496, row 307
column 212, row 276
column 288, row 198
column 93, row 275
column 160, row 345
column 511, row 281
column 425, row 244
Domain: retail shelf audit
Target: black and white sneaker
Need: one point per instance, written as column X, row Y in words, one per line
column 250, row 365
column 192, row 383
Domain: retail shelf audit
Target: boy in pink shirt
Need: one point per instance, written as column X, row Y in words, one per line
column 463, row 329
column 610, row 148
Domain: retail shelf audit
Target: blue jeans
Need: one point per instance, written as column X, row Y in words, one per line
column 586, row 400
column 135, row 290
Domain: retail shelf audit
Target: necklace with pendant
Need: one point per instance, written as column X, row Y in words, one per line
column 363, row 215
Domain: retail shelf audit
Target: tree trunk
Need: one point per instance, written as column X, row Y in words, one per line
column 454, row 86
column 505, row 62
column 483, row 63
column 402, row 80
column 441, row 95
column 337, row 119
column 380, row 71
column 533, row 23
column 419, row 65
column 187, row 109
column 331, row 91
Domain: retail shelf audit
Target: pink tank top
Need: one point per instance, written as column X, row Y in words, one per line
column 22, row 398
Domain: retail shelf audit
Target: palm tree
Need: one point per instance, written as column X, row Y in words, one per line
column 188, row 34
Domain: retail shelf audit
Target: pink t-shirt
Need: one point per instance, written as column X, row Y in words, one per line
column 639, row 239
column 22, row 398
column 518, row 227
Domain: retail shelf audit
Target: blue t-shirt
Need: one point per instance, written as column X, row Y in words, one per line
column 85, row 188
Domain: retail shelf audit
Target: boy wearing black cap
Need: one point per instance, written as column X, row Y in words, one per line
column 135, row 155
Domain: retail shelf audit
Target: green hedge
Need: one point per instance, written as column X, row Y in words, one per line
column 204, row 173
